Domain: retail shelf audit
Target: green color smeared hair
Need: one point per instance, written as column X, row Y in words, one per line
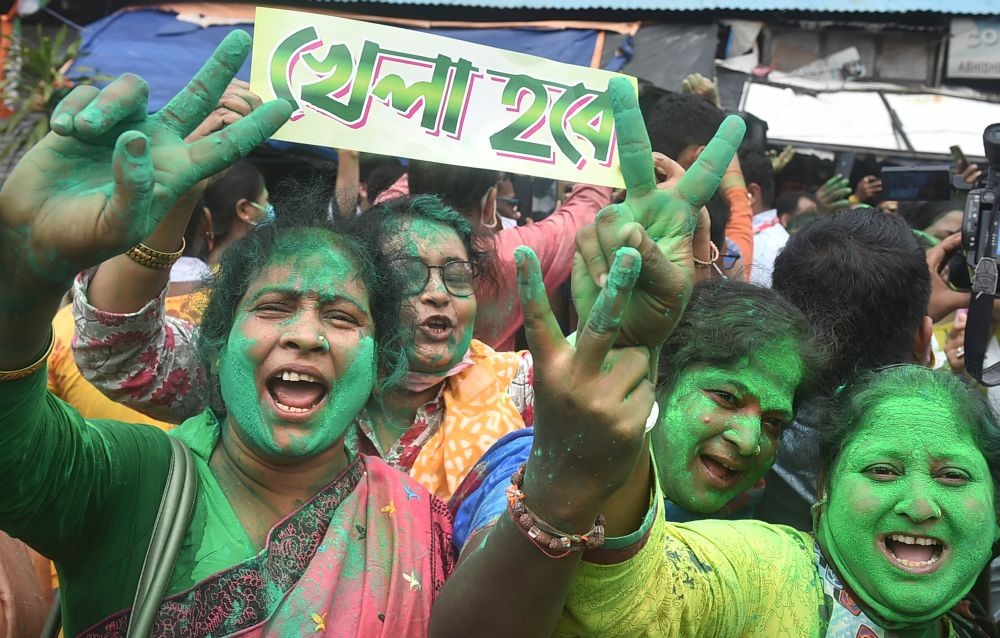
column 847, row 409
column 391, row 218
column 727, row 320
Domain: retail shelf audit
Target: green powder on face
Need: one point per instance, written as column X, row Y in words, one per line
column 316, row 269
column 699, row 420
column 910, row 469
column 435, row 244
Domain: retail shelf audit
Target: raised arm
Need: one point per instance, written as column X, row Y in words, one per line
column 121, row 285
column 146, row 360
column 553, row 241
column 659, row 223
column 348, row 183
column 126, row 345
column 110, row 172
column 739, row 228
column 586, row 449
column 507, row 584
column 585, row 459
column 90, row 189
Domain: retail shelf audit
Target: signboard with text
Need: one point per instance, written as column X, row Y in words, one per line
column 380, row 89
column 974, row 49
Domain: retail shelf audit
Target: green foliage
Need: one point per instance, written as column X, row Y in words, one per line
column 39, row 85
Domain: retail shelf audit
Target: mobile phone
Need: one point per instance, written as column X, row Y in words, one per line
column 957, row 156
column 845, row 164
column 917, row 183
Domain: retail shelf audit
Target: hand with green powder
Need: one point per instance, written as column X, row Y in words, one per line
column 698, row 84
column 591, row 401
column 108, row 171
column 591, row 405
column 659, row 223
column 833, row 194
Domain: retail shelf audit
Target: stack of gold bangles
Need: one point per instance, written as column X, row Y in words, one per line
column 150, row 258
column 14, row 375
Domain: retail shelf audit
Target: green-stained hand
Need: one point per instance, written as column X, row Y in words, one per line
column 698, row 84
column 659, row 223
column 833, row 194
column 108, row 171
column 591, row 402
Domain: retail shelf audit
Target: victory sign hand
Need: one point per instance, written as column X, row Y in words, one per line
column 658, row 223
column 591, row 402
column 108, row 172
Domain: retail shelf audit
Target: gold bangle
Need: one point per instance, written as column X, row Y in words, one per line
column 713, row 256
column 146, row 256
column 14, row 375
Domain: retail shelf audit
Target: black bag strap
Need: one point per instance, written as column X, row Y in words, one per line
column 168, row 534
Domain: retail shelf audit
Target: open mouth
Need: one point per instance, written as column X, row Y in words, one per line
column 437, row 326
column 915, row 554
column 720, row 471
column 296, row 392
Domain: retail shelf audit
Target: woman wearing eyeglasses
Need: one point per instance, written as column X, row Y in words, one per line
column 459, row 396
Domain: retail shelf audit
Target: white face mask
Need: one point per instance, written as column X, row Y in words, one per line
column 506, row 222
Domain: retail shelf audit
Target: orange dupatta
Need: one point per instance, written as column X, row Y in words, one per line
column 477, row 412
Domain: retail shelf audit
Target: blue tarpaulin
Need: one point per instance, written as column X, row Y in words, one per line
column 167, row 52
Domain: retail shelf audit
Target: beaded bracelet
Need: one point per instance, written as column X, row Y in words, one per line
column 713, row 256
column 545, row 537
column 150, row 258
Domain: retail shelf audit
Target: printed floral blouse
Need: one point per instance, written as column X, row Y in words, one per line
column 147, row 361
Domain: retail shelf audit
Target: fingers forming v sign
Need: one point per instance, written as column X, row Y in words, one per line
column 658, row 223
column 108, row 172
column 591, row 402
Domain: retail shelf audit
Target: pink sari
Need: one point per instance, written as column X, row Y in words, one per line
column 365, row 557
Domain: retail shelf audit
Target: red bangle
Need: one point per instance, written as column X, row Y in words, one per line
column 549, row 540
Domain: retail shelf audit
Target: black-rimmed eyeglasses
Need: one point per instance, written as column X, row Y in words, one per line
column 459, row 277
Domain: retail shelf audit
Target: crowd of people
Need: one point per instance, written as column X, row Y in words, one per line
column 232, row 411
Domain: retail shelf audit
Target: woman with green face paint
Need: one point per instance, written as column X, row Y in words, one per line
column 459, row 396
column 739, row 362
column 906, row 522
column 289, row 533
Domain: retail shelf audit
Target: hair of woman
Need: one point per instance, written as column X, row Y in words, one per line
column 727, row 320
column 390, row 218
column 241, row 181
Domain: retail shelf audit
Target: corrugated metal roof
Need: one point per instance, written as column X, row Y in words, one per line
column 957, row 7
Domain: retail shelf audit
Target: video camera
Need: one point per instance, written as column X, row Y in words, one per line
column 981, row 245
